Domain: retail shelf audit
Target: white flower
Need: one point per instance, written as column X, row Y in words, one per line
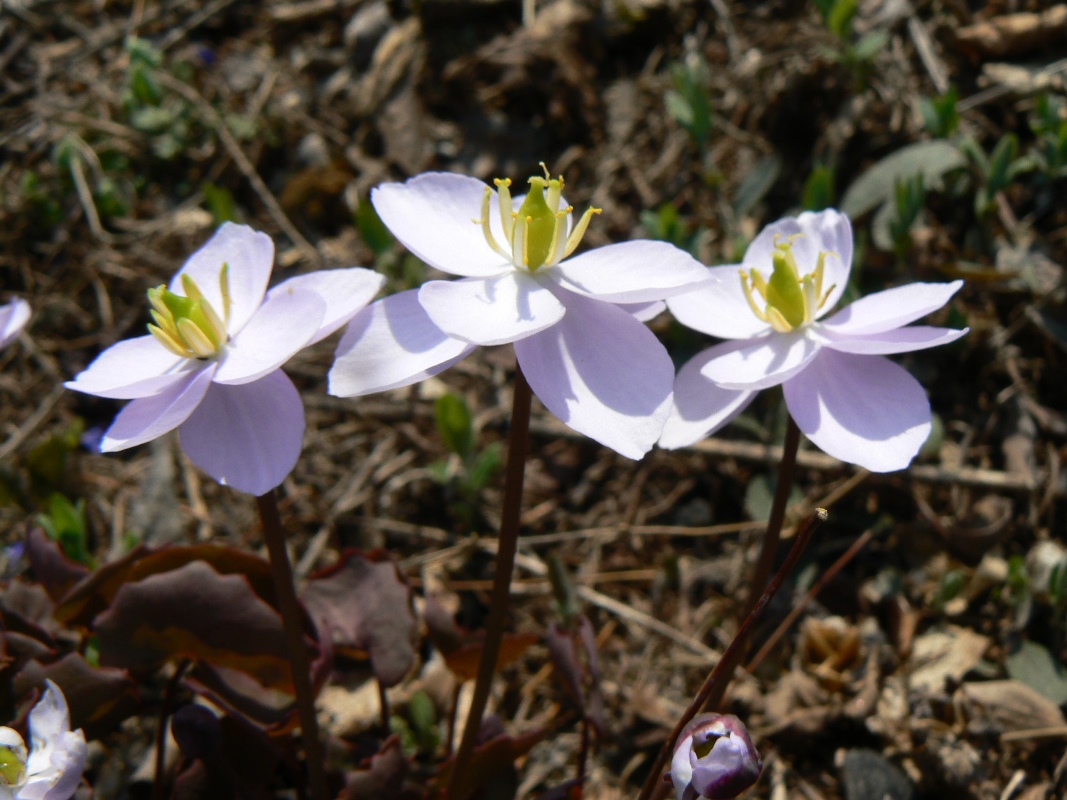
column 13, row 318
column 56, row 759
column 211, row 364
column 575, row 320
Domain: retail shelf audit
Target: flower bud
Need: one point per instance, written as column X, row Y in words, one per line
column 714, row 758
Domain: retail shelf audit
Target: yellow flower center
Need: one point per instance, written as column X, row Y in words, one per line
column 535, row 233
column 789, row 300
column 188, row 326
column 12, row 768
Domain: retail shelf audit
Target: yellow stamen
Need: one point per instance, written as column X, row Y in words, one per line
column 778, row 322
column 747, row 288
column 484, row 222
column 579, row 230
column 196, row 339
column 168, row 341
column 503, row 190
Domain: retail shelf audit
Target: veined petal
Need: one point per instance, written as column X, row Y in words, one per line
column 132, row 368
column 826, row 231
column 892, row 308
column 13, row 318
column 865, row 410
column 250, row 256
column 389, row 344
column 701, row 407
column 284, row 324
column 718, row 307
column 148, row 418
column 603, row 373
column 345, row 291
column 900, row 340
column 630, row 272
column 762, row 363
column 489, row 311
column 247, row 436
column 435, row 216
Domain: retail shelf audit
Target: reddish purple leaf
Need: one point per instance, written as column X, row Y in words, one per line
column 194, row 612
column 99, row 698
column 384, row 777
column 56, row 573
column 364, row 603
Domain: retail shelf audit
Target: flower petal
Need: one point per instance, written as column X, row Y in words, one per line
column 247, row 436
column 826, row 231
column 346, row 292
column 892, row 308
column 701, row 407
column 284, row 324
column 435, row 216
column 763, row 362
column 57, row 759
column 148, row 418
column 865, row 410
column 644, row 312
column 901, row 340
column 493, row 310
column 389, row 344
column 250, row 256
column 718, row 307
column 13, row 318
column 132, row 368
column 603, row 373
column 630, row 272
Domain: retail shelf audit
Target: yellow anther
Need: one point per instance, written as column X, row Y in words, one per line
column 579, row 230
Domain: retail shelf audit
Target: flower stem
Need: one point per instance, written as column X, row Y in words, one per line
column 762, row 571
column 282, row 573
column 166, row 708
column 507, row 545
column 711, row 693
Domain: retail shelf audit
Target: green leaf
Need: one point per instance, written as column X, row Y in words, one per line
column 454, row 424
column 755, row 185
column 932, row 160
column 220, row 203
column 870, row 45
column 372, row 229
column 1035, row 666
column 819, row 188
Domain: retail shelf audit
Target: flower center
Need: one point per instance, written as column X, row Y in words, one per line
column 535, row 233
column 789, row 300
column 188, row 326
column 12, row 767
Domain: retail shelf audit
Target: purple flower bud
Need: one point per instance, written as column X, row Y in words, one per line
column 714, row 758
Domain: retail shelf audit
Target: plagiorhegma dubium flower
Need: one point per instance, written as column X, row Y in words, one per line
column 13, row 318
column 53, row 767
column 210, row 366
column 842, row 393
column 575, row 320
column 714, row 758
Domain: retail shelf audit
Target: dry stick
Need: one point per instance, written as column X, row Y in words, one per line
column 812, row 593
column 714, row 687
column 765, row 562
column 282, row 573
column 508, row 543
column 165, row 709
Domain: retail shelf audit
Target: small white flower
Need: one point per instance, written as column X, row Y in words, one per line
column 56, row 760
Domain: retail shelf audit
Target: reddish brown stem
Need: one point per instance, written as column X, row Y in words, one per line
column 765, row 562
column 166, row 708
column 282, row 573
column 714, row 687
column 507, row 547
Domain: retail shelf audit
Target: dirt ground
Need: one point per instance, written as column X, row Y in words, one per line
column 933, row 661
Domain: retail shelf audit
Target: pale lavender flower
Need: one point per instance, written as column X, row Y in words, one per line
column 575, row 321
column 714, row 758
column 13, row 318
column 56, row 759
column 843, row 395
column 211, row 364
